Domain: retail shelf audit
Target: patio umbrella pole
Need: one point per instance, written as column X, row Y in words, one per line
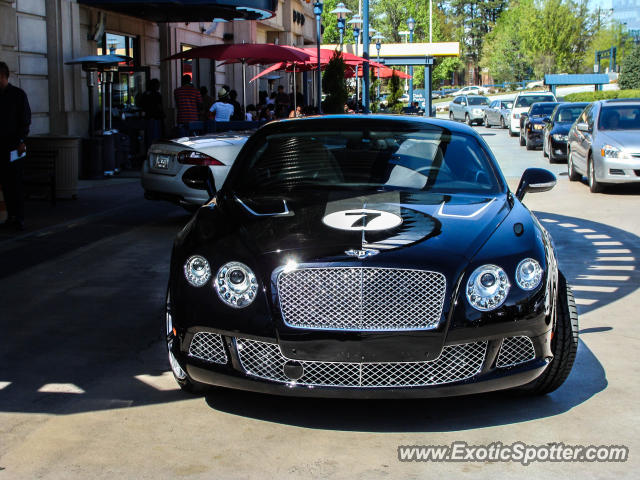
column 295, row 106
column 104, row 99
column 244, row 87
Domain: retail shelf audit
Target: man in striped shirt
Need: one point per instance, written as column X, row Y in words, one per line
column 188, row 101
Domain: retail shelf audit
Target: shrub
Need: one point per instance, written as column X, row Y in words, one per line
column 630, row 70
column 334, row 84
column 601, row 95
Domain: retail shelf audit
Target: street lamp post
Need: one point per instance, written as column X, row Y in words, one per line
column 365, row 55
column 411, row 24
column 317, row 10
column 341, row 11
column 378, row 37
column 355, row 23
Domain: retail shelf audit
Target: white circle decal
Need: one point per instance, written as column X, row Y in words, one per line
column 362, row 219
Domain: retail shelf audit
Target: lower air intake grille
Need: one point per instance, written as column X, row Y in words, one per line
column 208, row 346
column 455, row 363
column 515, row 350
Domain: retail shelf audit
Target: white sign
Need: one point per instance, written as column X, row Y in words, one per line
column 362, row 219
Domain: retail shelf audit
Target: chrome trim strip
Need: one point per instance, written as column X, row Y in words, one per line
column 441, row 213
column 276, row 214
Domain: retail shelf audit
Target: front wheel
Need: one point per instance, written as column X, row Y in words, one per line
column 522, row 140
column 467, row 119
column 544, row 148
column 571, row 169
column 486, row 122
column 502, row 124
column 594, row 185
column 564, row 344
column 451, row 116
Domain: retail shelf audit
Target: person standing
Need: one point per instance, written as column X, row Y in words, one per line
column 222, row 109
column 15, row 119
column 188, row 102
column 207, row 101
column 151, row 105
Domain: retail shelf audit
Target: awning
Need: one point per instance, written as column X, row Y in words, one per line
column 189, row 10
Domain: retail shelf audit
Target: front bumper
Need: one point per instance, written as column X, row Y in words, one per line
column 481, row 364
column 615, row 170
column 558, row 148
column 534, row 138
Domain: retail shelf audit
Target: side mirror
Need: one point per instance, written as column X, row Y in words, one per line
column 464, row 104
column 200, row 178
column 583, row 127
column 535, row 180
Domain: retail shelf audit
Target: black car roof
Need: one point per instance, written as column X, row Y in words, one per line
column 622, row 100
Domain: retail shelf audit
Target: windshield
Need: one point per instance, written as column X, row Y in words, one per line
column 543, row 109
column 432, row 159
column 568, row 114
column 528, row 100
column 478, row 100
column 620, row 117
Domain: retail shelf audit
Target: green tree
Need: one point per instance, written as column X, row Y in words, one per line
column 630, row 70
column 612, row 34
column 334, row 84
column 330, row 21
column 395, row 92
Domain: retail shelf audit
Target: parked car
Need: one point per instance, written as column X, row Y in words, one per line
column 498, row 113
column 554, row 143
column 167, row 174
column 368, row 256
column 532, row 124
column 469, row 108
column 470, row 90
column 604, row 144
column 521, row 104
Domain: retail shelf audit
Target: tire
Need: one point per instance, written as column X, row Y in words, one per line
column 571, row 171
column 564, row 344
column 502, row 124
column 544, row 149
column 183, row 380
column 486, row 122
column 451, row 117
column 467, row 119
column 594, row 185
column 512, row 133
column 528, row 144
column 522, row 140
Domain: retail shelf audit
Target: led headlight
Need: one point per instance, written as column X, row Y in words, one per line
column 197, row 270
column 236, row 284
column 538, row 126
column 559, row 138
column 609, row 151
column 528, row 274
column 487, row 287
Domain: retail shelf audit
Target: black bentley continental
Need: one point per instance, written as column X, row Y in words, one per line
column 368, row 256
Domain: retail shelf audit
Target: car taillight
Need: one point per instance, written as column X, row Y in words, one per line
column 191, row 157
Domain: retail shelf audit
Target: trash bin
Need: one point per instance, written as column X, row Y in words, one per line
column 92, row 158
column 67, row 160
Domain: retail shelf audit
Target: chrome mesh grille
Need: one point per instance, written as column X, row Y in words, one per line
column 515, row 350
column 361, row 298
column 208, row 346
column 455, row 363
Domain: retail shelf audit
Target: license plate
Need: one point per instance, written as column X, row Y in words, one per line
column 161, row 161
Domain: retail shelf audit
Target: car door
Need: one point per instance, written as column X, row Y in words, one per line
column 454, row 105
column 490, row 112
column 580, row 146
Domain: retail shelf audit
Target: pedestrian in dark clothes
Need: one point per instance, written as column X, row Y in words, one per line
column 151, row 105
column 15, row 119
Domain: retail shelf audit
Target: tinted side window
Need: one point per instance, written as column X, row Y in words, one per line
column 589, row 115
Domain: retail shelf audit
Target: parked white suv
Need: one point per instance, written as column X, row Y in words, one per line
column 522, row 103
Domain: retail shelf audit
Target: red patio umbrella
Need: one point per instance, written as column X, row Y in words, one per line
column 251, row 53
column 384, row 72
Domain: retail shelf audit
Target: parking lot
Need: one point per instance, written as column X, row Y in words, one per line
column 85, row 390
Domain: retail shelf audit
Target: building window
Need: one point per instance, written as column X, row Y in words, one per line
column 131, row 78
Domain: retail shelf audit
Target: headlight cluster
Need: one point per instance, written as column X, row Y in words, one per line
column 538, row 126
column 560, row 138
column 609, row 151
column 235, row 283
column 488, row 285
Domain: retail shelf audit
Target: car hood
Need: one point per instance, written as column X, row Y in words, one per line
column 561, row 128
column 627, row 139
column 426, row 228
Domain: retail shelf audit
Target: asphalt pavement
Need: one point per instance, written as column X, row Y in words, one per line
column 85, row 390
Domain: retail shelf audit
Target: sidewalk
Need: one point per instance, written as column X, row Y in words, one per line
column 95, row 197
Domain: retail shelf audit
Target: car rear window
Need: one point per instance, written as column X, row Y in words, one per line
column 543, row 109
column 528, row 100
column 424, row 159
column 568, row 114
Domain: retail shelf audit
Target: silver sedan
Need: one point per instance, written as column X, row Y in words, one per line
column 604, row 144
column 165, row 173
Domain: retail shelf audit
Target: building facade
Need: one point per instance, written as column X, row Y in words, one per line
column 37, row 37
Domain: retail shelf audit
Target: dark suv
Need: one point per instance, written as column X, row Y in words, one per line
column 532, row 124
